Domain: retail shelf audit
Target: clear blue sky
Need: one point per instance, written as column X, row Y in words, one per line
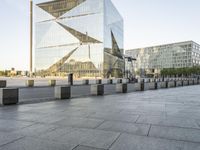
column 147, row 22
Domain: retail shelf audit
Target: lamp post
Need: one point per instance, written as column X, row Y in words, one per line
column 31, row 38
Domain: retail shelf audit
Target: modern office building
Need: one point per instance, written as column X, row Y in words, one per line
column 83, row 37
column 176, row 55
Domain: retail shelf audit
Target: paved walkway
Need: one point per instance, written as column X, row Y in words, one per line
column 166, row 119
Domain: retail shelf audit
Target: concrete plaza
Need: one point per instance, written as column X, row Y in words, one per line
column 167, row 119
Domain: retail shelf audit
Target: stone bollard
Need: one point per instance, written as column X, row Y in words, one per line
column 167, row 84
column 3, row 83
column 121, row 88
column 9, row 96
column 97, row 89
column 119, row 81
column 156, row 85
column 175, row 83
column 62, row 92
column 29, row 83
column 142, row 85
column 110, row 81
column 99, row 81
column 182, row 83
column 85, row 82
column 52, row 82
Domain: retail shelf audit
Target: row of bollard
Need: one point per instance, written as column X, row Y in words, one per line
column 10, row 96
column 64, row 92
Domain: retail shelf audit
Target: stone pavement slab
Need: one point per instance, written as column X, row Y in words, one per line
column 35, row 130
column 86, row 148
column 138, row 129
column 79, row 122
column 174, row 133
column 6, row 138
column 86, row 137
column 153, row 120
column 12, row 125
column 29, row 143
column 114, row 116
column 133, row 142
column 168, row 121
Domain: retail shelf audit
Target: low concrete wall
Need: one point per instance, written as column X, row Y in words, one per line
column 191, row 82
column 195, row 81
column 150, row 86
column 121, row 88
column 185, row 83
column 137, row 87
column 97, row 89
column 85, row 90
column 30, row 83
column 110, row 89
column 163, row 85
column 52, row 82
column 179, row 83
column 171, row 84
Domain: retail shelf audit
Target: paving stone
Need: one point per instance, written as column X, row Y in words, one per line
column 138, row 129
column 133, row 142
column 87, row 148
column 79, row 122
column 89, row 137
column 168, row 121
column 13, row 125
column 57, row 133
column 8, row 137
column 36, row 144
column 184, row 134
column 115, row 116
column 36, row 130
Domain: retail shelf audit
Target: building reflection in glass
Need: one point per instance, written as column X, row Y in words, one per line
column 83, row 37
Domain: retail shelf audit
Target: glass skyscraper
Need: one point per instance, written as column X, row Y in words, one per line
column 83, row 37
column 175, row 55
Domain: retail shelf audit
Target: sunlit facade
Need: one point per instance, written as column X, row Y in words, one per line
column 175, row 55
column 83, row 37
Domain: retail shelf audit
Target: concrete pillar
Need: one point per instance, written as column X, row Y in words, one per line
column 175, row 83
column 121, row 88
column 156, row 85
column 85, row 82
column 167, row 84
column 110, row 81
column 52, row 82
column 62, row 92
column 3, row 83
column 9, row 96
column 98, row 81
column 97, row 89
column 30, row 83
column 119, row 81
column 142, row 85
column 70, row 79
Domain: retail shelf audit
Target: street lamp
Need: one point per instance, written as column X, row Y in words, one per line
column 31, row 38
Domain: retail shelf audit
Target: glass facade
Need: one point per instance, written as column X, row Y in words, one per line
column 175, row 55
column 83, row 37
